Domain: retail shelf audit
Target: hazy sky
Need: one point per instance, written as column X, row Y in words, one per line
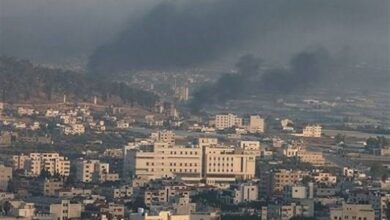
column 196, row 31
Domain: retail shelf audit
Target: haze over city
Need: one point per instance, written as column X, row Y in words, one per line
column 195, row 109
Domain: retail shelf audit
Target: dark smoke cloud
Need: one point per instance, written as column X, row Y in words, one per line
column 190, row 33
column 178, row 35
column 306, row 69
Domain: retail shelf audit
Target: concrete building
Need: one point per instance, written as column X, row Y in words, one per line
column 66, row 210
column 94, row 171
column 282, row 178
column 229, row 120
column 182, row 93
column 312, row 131
column 207, row 160
column 22, row 209
column 164, row 136
column 5, row 177
column 256, row 124
column 314, row 158
column 167, row 215
column 352, row 211
column 51, row 187
column 246, row 193
column 34, row 163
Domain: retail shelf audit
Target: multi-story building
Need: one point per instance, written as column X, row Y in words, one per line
column 51, row 187
column 314, row 158
column 164, row 136
column 229, row 120
column 166, row 215
column 207, row 160
column 164, row 194
column 121, row 192
column 312, row 131
column 353, row 211
column 256, row 124
column 282, row 178
column 94, row 171
column 21, row 209
column 5, row 177
column 324, row 177
column 66, row 210
column 246, row 192
column 34, row 163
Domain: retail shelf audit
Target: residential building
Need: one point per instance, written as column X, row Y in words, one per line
column 5, row 177
column 94, row 171
column 66, row 210
column 34, row 163
column 352, row 211
column 256, row 124
column 22, row 209
column 246, row 192
column 229, row 120
column 282, row 178
column 312, row 131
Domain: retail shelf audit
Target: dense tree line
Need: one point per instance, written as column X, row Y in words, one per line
column 20, row 80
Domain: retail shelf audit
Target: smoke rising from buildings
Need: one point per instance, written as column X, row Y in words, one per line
column 177, row 34
column 307, row 68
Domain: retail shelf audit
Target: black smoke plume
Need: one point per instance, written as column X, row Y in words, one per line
column 306, row 69
column 177, row 35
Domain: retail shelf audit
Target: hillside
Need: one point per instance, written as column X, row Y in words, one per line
column 21, row 81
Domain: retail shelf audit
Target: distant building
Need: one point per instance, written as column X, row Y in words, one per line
column 94, row 171
column 166, row 215
column 246, row 192
column 164, row 136
column 256, row 124
column 282, row 178
column 5, row 177
column 182, row 93
column 314, row 158
column 312, row 131
column 207, row 160
column 34, row 163
column 353, row 211
column 66, row 210
column 229, row 120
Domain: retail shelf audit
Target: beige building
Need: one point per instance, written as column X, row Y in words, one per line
column 34, row 163
column 284, row 178
column 94, row 171
column 246, row 193
column 166, row 215
column 65, row 210
column 22, row 209
column 256, row 124
column 324, row 177
column 208, row 160
column 314, row 158
column 164, row 136
column 51, row 187
column 353, row 211
column 229, row 120
column 312, row 131
column 165, row 194
column 5, row 177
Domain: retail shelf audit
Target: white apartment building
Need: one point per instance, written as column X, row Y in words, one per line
column 256, row 124
column 353, row 211
column 94, row 171
column 34, row 163
column 208, row 160
column 312, row 131
column 229, row 120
